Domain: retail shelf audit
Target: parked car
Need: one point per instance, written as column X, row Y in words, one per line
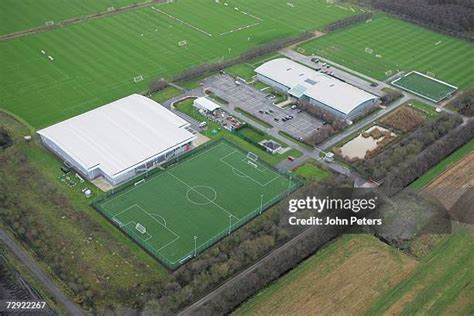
column 291, row 158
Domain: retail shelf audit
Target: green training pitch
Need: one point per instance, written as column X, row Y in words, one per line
column 95, row 61
column 385, row 46
column 425, row 86
column 201, row 198
column 17, row 15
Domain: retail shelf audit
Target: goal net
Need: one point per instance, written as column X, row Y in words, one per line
column 49, row 23
column 369, row 50
column 110, row 9
column 182, row 43
column 138, row 78
column 252, row 157
column 139, row 182
column 140, row 228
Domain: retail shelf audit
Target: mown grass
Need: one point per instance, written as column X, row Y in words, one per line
column 441, row 284
column 312, row 172
column 20, row 15
column 109, row 52
column 426, row 178
column 402, row 46
column 165, row 94
column 253, row 118
column 429, row 111
column 186, row 106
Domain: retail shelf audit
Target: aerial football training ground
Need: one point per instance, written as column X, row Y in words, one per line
column 96, row 61
column 186, row 208
column 425, row 86
column 384, row 46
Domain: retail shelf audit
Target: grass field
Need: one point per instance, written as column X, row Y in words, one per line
column 442, row 166
column 166, row 94
column 344, row 278
column 95, row 62
column 400, row 46
column 440, row 285
column 25, row 14
column 424, row 86
column 428, row 110
column 312, row 172
column 203, row 197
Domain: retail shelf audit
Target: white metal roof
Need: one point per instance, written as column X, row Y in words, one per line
column 207, row 104
column 119, row 135
column 316, row 85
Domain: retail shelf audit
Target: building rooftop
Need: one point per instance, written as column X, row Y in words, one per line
column 302, row 80
column 119, row 135
column 207, row 104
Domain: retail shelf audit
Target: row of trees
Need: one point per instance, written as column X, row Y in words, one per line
column 333, row 123
column 464, row 103
column 454, row 17
column 414, row 166
column 253, row 53
column 233, row 254
column 344, row 23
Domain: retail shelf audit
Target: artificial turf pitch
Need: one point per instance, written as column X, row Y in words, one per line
column 207, row 195
column 384, row 46
column 425, row 86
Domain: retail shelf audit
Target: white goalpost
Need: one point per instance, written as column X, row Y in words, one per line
column 252, row 157
column 139, row 182
column 369, row 50
column 182, row 43
column 49, row 23
column 138, row 78
column 140, row 228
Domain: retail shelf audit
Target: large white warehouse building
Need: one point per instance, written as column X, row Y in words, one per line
column 319, row 89
column 119, row 140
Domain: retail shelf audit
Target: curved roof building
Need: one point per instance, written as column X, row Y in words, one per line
column 320, row 89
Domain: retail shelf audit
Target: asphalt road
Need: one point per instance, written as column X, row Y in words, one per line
column 60, row 297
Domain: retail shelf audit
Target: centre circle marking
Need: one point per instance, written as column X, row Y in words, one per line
column 201, row 195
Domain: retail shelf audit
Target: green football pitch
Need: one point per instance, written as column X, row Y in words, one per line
column 17, row 15
column 189, row 206
column 95, row 61
column 425, row 86
column 385, row 46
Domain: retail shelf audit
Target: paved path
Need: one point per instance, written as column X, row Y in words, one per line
column 69, row 306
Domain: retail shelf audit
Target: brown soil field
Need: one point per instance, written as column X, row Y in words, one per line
column 448, row 187
column 345, row 278
column 405, row 119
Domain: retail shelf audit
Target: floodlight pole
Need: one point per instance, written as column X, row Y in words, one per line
column 289, row 182
column 261, row 203
column 230, row 222
column 195, row 245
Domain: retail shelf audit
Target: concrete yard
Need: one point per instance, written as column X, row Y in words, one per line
column 253, row 101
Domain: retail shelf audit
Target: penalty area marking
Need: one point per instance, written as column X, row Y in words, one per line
column 181, row 21
column 234, row 169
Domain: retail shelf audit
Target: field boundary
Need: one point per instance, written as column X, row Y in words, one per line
column 396, row 84
column 293, row 184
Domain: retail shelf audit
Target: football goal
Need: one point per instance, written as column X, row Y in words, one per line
column 369, row 50
column 49, row 23
column 252, row 157
column 140, row 228
column 138, row 78
column 182, row 43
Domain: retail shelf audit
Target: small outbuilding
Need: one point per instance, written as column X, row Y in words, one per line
column 206, row 105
